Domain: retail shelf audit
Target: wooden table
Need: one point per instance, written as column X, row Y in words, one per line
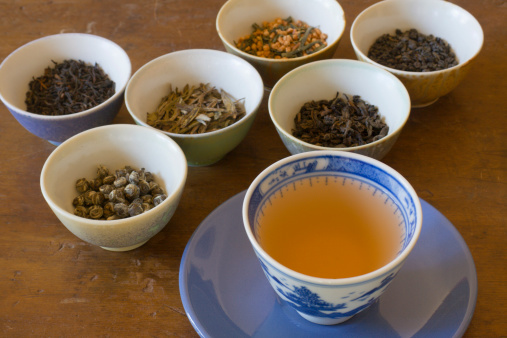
column 53, row 284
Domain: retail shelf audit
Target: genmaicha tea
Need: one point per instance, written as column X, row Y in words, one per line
column 125, row 193
column 412, row 51
column 69, row 87
column 282, row 39
column 196, row 110
column 344, row 121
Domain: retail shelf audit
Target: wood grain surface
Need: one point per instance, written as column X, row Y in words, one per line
column 53, row 284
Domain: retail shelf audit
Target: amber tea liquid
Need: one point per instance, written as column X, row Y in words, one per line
column 330, row 227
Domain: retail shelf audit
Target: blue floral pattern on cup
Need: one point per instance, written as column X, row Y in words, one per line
column 303, row 300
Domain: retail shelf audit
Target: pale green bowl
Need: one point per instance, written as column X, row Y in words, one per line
column 194, row 66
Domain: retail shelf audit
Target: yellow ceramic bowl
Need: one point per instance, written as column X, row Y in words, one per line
column 222, row 70
column 236, row 17
column 440, row 18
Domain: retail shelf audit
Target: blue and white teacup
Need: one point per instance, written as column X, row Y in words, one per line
column 323, row 300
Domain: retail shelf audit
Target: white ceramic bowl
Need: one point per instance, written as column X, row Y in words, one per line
column 236, row 17
column 224, row 71
column 437, row 17
column 325, row 300
column 30, row 60
column 114, row 146
column 321, row 80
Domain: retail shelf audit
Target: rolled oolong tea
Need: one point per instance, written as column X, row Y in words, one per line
column 69, row 87
column 125, row 193
column 196, row 110
column 282, row 39
column 412, row 51
column 344, row 121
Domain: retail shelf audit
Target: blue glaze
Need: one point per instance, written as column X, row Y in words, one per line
column 57, row 129
column 310, row 303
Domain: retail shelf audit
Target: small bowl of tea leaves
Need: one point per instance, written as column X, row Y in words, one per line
column 60, row 85
column 343, row 105
column 115, row 186
column 276, row 36
column 429, row 45
column 205, row 100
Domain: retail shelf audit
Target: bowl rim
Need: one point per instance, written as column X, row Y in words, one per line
column 248, row 114
column 117, row 94
column 110, row 128
column 304, row 58
column 393, row 264
column 391, row 133
column 404, row 73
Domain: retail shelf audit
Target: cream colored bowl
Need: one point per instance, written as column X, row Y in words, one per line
column 236, row 17
column 114, row 146
column 321, row 80
column 440, row 18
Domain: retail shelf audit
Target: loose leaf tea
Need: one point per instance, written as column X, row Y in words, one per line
column 125, row 193
column 69, row 87
column 412, row 51
column 196, row 110
column 282, row 39
column 341, row 122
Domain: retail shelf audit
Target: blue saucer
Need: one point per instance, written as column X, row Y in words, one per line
column 225, row 293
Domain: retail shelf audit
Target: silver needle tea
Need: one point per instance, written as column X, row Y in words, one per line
column 196, row 110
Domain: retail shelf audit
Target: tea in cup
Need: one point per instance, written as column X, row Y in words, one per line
column 331, row 230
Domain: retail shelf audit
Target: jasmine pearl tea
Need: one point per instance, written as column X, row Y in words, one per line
column 330, row 227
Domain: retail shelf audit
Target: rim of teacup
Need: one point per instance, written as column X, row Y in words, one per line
column 118, row 91
column 399, row 259
column 405, row 73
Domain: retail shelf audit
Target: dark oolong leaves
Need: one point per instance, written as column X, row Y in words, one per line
column 412, row 51
column 339, row 122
